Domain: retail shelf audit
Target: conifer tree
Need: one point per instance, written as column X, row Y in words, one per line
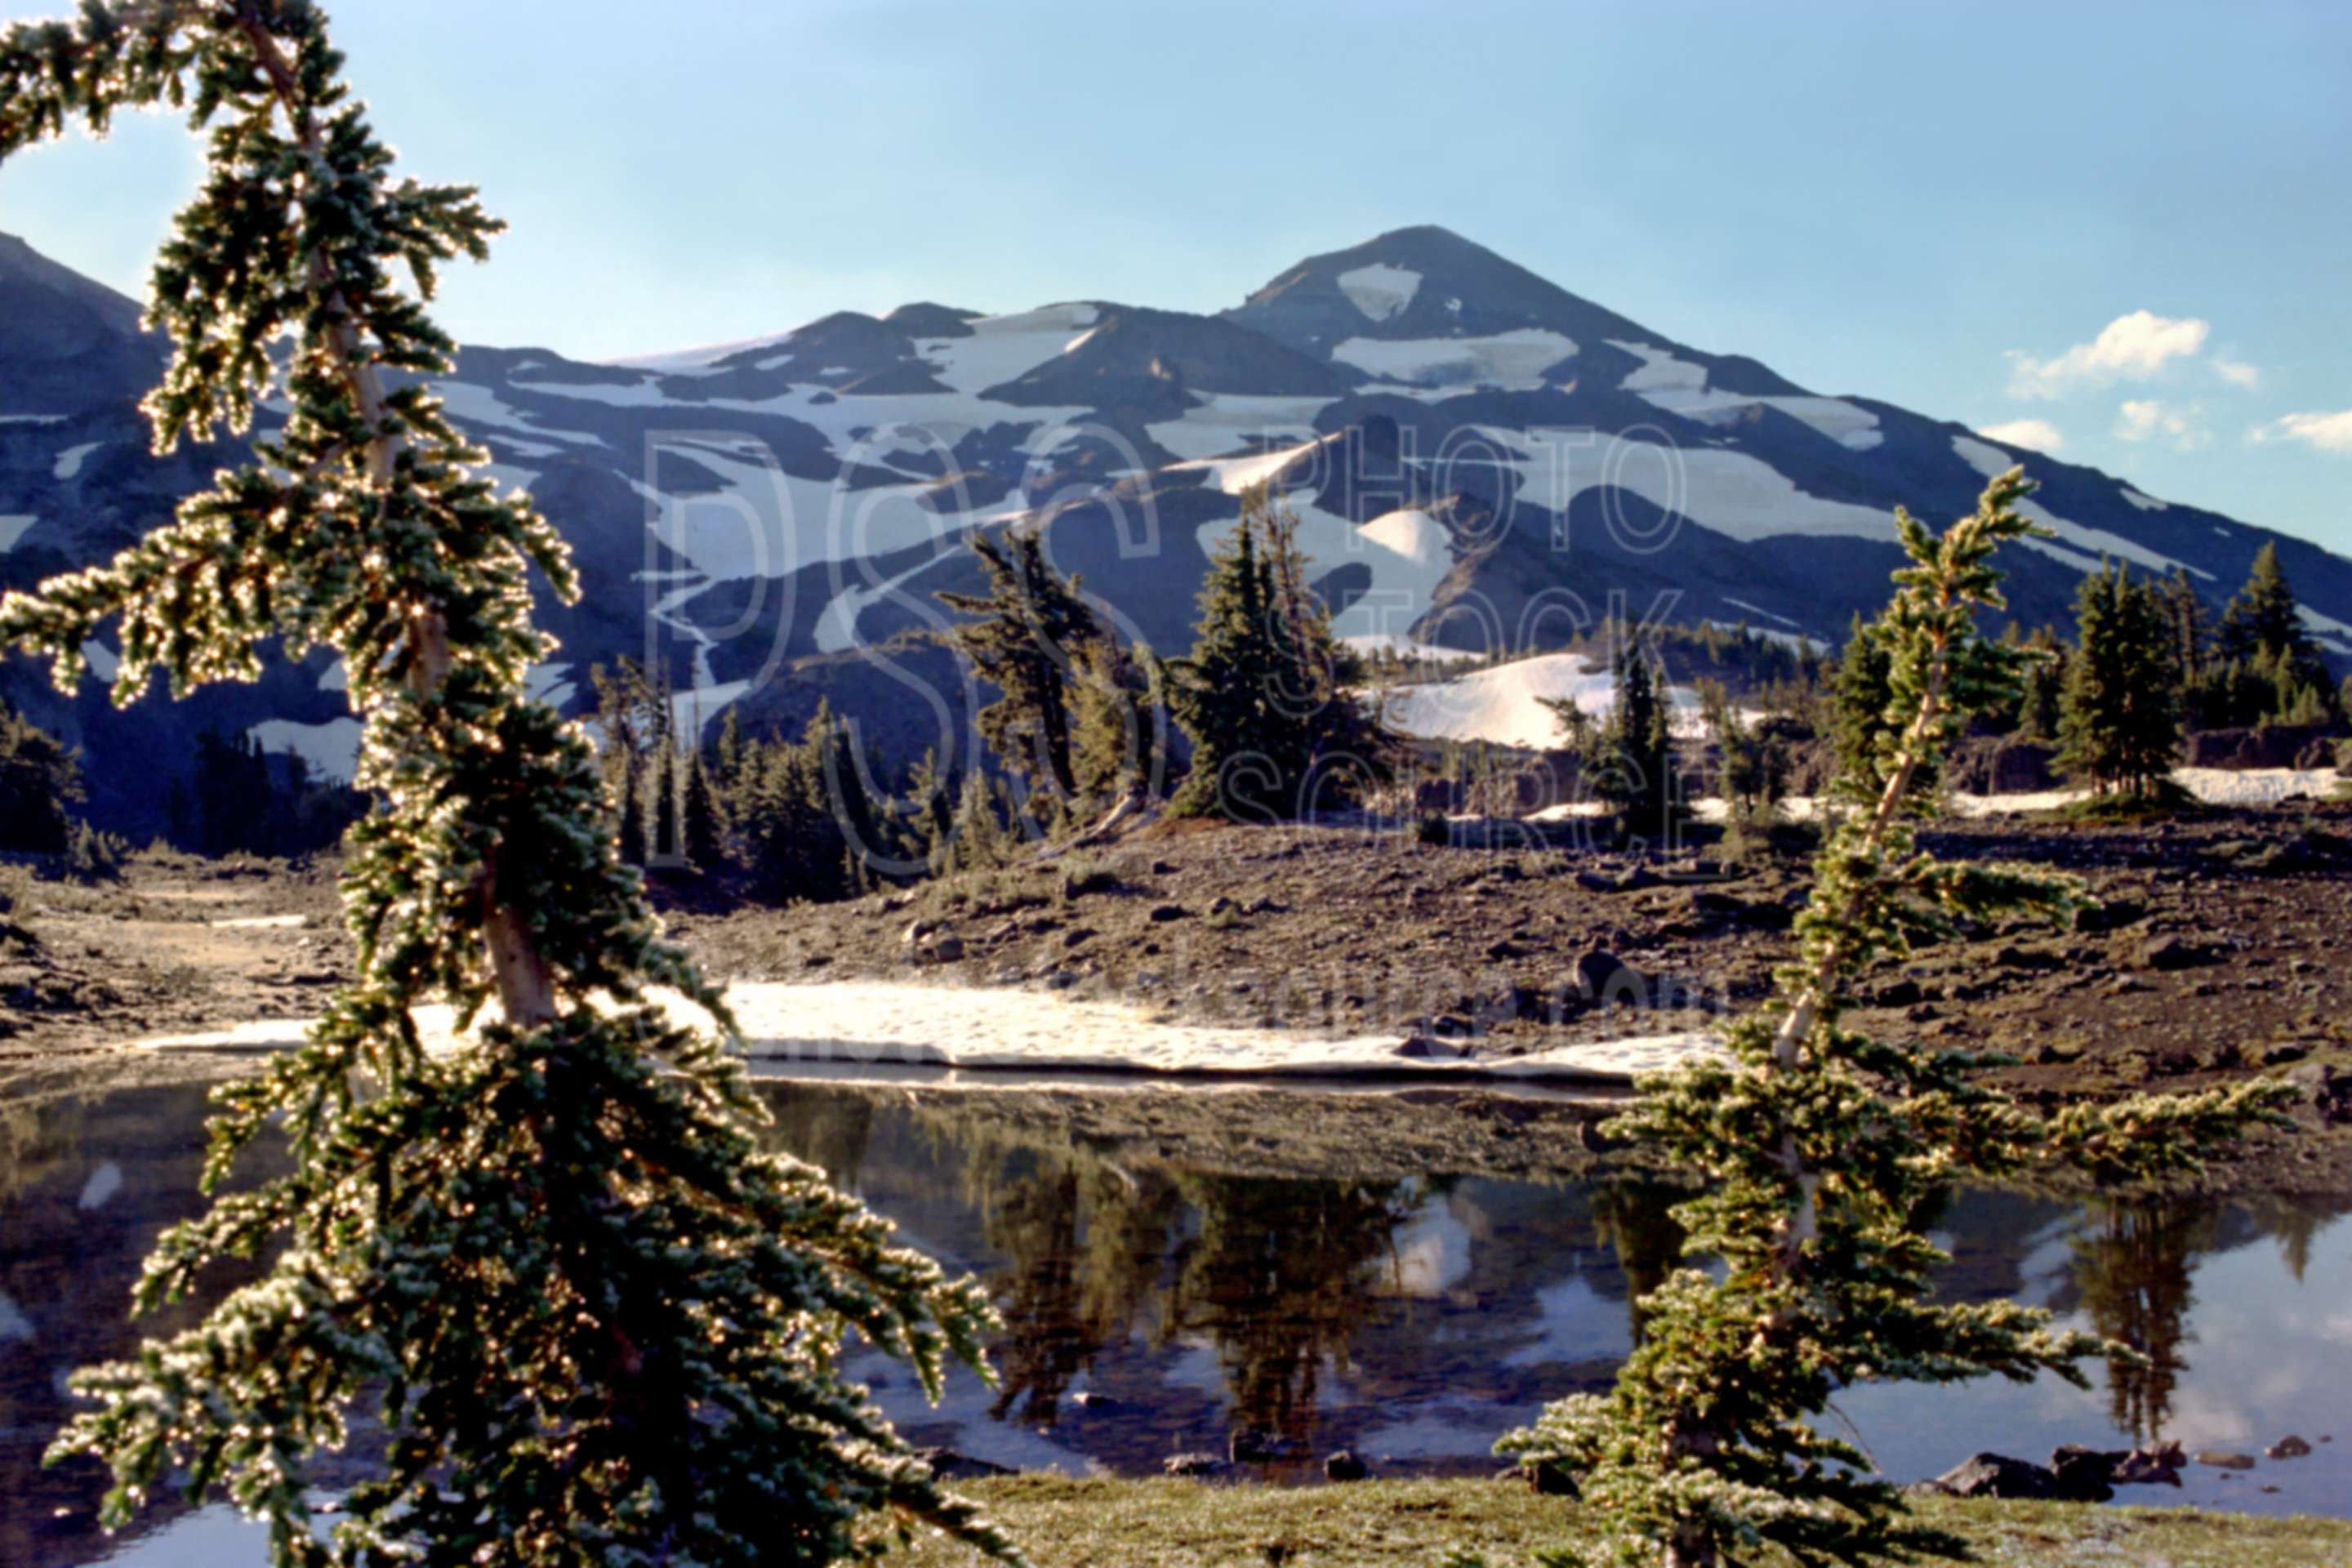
column 40, row 783
column 2119, row 724
column 1221, row 686
column 1820, row 1148
column 2041, row 686
column 667, row 845
column 596, row 1323
column 1119, row 731
column 699, row 816
column 2261, row 630
column 1632, row 768
column 1025, row 635
column 1268, row 695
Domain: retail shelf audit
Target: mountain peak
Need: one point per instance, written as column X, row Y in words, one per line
column 1418, row 282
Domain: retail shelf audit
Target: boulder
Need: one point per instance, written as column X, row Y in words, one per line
column 948, row 950
column 2158, row 1466
column 1199, row 1465
column 1346, row 1465
column 1162, row 913
column 2085, row 1475
column 1429, row 1048
column 2225, row 1459
column 2169, row 953
column 1605, row 978
column 2287, row 1448
column 1997, row 1476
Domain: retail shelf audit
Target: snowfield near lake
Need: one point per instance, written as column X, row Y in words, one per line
column 2213, row 786
column 888, row 1026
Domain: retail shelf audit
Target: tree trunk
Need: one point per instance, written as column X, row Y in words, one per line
column 526, row 986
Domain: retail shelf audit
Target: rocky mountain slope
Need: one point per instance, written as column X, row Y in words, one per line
column 1478, row 459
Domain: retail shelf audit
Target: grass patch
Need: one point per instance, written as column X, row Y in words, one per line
column 1067, row 1523
column 2167, row 800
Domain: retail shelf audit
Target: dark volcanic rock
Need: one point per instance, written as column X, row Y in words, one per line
column 1998, row 1476
column 951, row 1465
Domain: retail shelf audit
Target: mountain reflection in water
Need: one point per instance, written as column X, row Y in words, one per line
column 1154, row 1302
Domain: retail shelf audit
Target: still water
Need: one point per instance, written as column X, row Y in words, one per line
column 1154, row 1303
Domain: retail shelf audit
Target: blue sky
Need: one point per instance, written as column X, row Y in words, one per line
column 2125, row 221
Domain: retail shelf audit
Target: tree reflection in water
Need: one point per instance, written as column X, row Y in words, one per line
column 2132, row 1268
column 1278, row 1275
column 1634, row 1216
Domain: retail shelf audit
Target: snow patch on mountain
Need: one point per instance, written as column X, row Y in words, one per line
column 1730, row 492
column 1408, row 554
column 1992, row 462
column 1758, row 610
column 1223, row 422
column 696, row 361
column 102, row 660
column 332, row 749
column 1004, row 348
column 70, row 462
column 1380, row 290
column 1678, row 386
column 2144, row 503
column 1236, row 475
column 2326, row 629
column 836, row 625
column 1513, row 361
column 480, row 406
column 12, row 528
column 765, row 522
column 1796, row 640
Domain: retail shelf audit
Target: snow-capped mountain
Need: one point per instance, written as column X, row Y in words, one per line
column 1477, row 458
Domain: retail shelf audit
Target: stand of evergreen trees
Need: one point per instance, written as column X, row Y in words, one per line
column 1271, row 701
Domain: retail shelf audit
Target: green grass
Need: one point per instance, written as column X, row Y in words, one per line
column 1065, row 1524
column 2168, row 800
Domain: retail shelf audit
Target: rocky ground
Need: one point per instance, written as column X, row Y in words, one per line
column 2220, row 948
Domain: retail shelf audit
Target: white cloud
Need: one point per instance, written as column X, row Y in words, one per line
column 2130, row 348
column 2326, row 432
column 2237, row 371
column 2145, row 419
column 2040, row 435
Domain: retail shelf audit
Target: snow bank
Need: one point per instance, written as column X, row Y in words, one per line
column 2213, row 786
column 1504, row 706
column 1380, row 290
column 70, row 462
column 1406, row 647
column 12, row 528
column 889, row 1027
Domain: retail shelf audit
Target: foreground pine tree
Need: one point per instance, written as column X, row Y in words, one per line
column 1819, row 1147
column 597, row 1324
